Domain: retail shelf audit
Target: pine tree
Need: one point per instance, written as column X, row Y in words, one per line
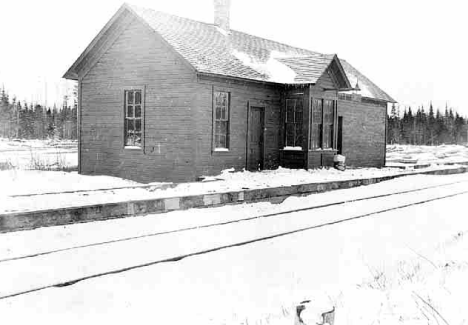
column 431, row 125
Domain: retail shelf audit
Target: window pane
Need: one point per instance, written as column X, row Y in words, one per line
column 137, row 139
column 130, row 125
column 316, row 135
column 221, row 98
column 299, row 105
column 138, row 125
column 223, row 143
column 130, row 97
column 218, row 112
column 220, row 141
column 289, row 135
column 317, row 111
column 298, row 138
column 138, row 97
column 224, row 128
column 129, row 111
column 138, row 111
column 290, row 106
column 224, row 113
column 129, row 139
column 221, row 128
column 328, row 111
column 326, row 137
column 298, row 117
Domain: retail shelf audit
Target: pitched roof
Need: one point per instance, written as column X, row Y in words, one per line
column 212, row 50
column 368, row 88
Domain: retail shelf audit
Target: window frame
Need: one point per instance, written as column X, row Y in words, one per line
column 331, row 127
column 313, row 123
column 295, row 124
column 125, row 91
column 214, row 147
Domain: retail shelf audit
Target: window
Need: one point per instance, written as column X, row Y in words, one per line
column 221, row 120
column 133, row 118
column 316, row 124
column 293, row 122
column 322, row 123
column 328, row 110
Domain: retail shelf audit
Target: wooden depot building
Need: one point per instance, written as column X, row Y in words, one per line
column 165, row 98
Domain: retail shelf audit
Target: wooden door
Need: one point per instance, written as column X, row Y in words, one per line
column 339, row 145
column 255, row 138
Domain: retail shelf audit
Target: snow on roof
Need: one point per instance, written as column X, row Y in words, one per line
column 211, row 50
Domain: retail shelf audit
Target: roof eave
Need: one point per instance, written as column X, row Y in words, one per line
column 208, row 74
column 70, row 75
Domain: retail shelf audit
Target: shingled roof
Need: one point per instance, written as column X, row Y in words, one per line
column 211, row 50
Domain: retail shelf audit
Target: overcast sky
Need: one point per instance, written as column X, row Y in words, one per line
column 414, row 50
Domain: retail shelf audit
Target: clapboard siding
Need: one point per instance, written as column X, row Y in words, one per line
column 325, row 81
column 209, row 162
column 363, row 133
column 137, row 58
column 179, row 115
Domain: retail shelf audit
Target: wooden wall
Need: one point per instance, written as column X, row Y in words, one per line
column 178, row 116
column 363, row 133
column 138, row 58
column 210, row 162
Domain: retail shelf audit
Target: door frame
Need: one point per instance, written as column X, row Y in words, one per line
column 339, row 135
column 261, row 105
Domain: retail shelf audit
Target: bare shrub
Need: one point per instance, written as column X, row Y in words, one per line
column 6, row 165
column 58, row 163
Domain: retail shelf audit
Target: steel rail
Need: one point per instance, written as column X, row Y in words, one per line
column 218, row 248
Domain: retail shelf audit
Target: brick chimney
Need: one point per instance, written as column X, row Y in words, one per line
column 221, row 14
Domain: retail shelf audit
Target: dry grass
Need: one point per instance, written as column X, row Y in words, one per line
column 58, row 163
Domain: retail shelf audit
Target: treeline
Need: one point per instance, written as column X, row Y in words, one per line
column 426, row 128
column 21, row 120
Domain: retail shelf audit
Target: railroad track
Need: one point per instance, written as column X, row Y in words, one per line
column 178, row 257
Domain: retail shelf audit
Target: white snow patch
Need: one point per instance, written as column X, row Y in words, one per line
column 412, row 154
column 364, row 90
column 292, row 148
column 274, row 69
column 222, row 31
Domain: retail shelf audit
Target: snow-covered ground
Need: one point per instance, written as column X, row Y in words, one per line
column 405, row 266
column 419, row 155
column 71, row 189
column 38, row 154
column 18, row 181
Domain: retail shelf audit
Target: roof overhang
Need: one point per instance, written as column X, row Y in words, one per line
column 73, row 73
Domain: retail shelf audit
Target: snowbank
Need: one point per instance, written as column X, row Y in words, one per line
column 443, row 154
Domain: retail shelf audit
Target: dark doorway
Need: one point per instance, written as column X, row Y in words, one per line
column 255, row 138
column 339, row 145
